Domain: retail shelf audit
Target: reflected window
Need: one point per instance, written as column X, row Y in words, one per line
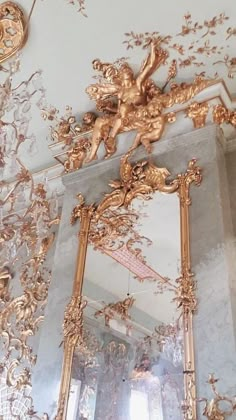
column 139, row 405
column 73, row 399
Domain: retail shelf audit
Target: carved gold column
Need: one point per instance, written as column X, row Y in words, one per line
column 73, row 319
column 186, row 297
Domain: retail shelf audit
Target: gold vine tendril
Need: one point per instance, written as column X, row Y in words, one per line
column 213, row 409
column 191, row 27
column 230, row 64
column 230, row 32
column 81, row 4
column 191, row 51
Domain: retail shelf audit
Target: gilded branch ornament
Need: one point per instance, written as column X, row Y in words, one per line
column 27, row 218
column 12, row 29
column 220, row 407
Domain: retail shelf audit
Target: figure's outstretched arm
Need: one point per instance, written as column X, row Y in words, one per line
column 156, row 57
column 101, row 90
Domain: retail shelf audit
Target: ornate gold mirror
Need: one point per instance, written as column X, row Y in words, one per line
column 128, row 328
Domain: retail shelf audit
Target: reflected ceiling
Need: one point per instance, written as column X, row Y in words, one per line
column 161, row 255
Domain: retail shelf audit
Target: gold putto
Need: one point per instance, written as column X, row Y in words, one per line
column 137, row 102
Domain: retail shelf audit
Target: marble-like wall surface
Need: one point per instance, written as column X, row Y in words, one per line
column 230, row 159
column 212, row 260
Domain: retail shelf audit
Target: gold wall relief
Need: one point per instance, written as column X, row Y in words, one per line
column 26, row 237
column 73, row 319
column 140, row 179
column 20, row 319
column 12, row 29
column 223, row 115
column 128, row 102
column 141, row 102
column 198, row 113
column 77, row 155
column 132, row 102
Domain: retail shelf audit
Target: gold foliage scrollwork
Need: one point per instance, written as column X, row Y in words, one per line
column 73, row 319
column 73, row 336
column 19, row 381
column 20, row 318
column 223, row 115
column 138, row 180
column 112, row 219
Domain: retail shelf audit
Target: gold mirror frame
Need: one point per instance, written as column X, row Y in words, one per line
column 140, row 179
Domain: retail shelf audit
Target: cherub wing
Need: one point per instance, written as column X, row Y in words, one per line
column 99, row 91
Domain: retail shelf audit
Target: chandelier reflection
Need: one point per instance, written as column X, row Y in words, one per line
column 171, row 339
column 156, row 379
column 168, row 339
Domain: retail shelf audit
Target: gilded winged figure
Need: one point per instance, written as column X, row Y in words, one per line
column 131, row 102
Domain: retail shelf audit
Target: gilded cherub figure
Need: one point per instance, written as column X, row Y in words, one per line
column 130, row 102
column 130, row 91
column 77, row 154
column 150, row 128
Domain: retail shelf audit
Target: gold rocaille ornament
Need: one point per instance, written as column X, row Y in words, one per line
column 12, row 30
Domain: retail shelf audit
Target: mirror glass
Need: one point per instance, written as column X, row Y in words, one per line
column 130, row 364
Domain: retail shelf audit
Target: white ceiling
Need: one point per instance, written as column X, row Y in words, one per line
column 63, row 43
